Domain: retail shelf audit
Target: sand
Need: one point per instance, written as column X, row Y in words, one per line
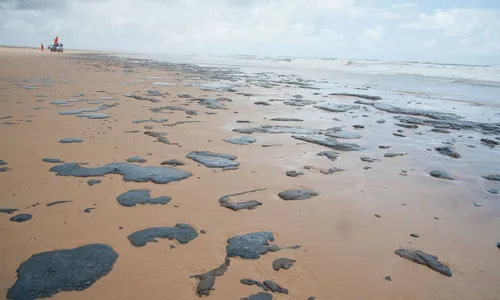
column 346, row 251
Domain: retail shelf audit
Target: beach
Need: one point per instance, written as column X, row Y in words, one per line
column 371, row 194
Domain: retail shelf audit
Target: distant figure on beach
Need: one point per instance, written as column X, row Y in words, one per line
column 56, row 40
column 41, row 47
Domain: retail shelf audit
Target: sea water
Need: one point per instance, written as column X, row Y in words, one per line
column 479, row 84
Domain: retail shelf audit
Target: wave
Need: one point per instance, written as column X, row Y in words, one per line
column 493, row 84
column 447, row 71
column 484, row 74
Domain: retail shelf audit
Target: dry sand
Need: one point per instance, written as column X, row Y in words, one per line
column 346, row 251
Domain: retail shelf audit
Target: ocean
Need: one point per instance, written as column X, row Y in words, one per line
column 477, row 84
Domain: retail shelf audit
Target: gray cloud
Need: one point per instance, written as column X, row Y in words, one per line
column 33, row 4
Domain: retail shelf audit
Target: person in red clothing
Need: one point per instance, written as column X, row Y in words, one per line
column 56, row 40
column 41, row 47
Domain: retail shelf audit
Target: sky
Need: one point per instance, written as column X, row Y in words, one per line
column 446, row 31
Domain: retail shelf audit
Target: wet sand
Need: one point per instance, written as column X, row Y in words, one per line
column 346, row 251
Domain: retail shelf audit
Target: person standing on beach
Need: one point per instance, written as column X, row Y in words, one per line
column 41, row 47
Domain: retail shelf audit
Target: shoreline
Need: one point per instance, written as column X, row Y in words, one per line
column 346, row 251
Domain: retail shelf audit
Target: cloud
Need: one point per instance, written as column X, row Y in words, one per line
column 374, row 34
column 386, row 14
column 177, row 25
column 404, row 5
column 438, row 20
column 343, row 6
column 474, row 22
column 327, row 28
column 34, row 4
column 468, row 41
column 430, row 43
column 470, row 30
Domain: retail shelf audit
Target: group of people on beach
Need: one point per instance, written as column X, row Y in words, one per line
column 56, row 42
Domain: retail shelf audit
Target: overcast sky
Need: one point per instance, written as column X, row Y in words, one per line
column 451, row 31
